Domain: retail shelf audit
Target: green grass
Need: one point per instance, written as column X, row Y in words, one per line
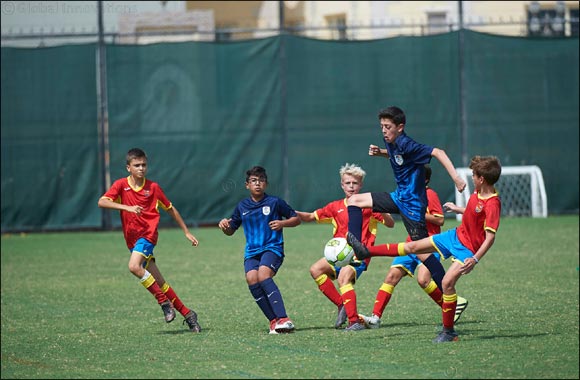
column 71, row 309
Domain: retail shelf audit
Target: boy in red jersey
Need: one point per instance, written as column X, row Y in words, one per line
column 406, row 265
column 351, row 181
column 467, row 243
column 138, row 199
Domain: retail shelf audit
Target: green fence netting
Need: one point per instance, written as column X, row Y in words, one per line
column 205, row 112
column 50, row 168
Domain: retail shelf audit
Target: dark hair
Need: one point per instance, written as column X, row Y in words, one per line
column 393, row 113
column 487, row 167
column 135, row 153
column 427, row 173
column 256, row 171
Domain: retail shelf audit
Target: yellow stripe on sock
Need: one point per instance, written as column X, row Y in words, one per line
column 321, row 279
column 165, row 288
column 401, row 249
column 431, row 287
column 450, row 298
column 148, row 281
column 346, row 288
column 387, row 288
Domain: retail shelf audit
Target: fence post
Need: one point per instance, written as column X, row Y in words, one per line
column 103, row 118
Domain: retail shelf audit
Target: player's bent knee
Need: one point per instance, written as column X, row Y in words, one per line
column 358, row 200
column 411, row 247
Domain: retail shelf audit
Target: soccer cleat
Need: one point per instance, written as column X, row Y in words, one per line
column 284, row 325
column 461, row 306
column 273, row 327
column 191, row 320
column 372, row 322
column 446, row 336
column 360, row 250
column 357, row 326
column 340, row 317
column 168, row 311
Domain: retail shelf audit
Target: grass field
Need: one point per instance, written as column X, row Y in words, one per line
column 71, row 309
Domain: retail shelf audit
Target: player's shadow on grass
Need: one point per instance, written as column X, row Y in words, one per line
column 182, row 331
column 511, row 336
column 404, row 324
column 387, row 325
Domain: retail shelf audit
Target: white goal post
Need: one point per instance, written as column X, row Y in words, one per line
column 521, row 189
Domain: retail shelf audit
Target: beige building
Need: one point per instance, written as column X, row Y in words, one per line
column 357, row 20
column 36, row 23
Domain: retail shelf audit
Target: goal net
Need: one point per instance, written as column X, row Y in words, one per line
column 521, row 189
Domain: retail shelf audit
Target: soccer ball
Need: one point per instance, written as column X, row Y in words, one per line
column 337, row 252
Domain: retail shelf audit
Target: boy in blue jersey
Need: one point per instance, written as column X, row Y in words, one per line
column 263, row 217
column 408, row 159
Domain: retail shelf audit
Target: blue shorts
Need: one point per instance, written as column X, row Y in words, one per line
column 267, row 258
column 410, row 262
column 383, row 202
column 358, row 266
column 145, row 248
column 448, row 245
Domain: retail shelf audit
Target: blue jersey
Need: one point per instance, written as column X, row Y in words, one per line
column 408, row 159
column 255, row 219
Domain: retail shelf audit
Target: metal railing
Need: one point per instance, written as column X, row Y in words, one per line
column 521, row 28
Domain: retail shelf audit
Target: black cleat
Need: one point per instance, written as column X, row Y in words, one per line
column 191, row 320
column 168, row 311
column 357, row 326
column 360, row 250
column 446, row 336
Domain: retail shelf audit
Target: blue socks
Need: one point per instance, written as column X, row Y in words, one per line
column 274, row 297
column 355, row 220
column 262, row 301
column 268, row 297
column 436, row 269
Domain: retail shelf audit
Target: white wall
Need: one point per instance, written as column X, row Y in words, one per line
column 43, row 17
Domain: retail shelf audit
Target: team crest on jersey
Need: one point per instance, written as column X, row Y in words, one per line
column 479, row 207
column 399, row 159
column 146, row 193
column 266, row 210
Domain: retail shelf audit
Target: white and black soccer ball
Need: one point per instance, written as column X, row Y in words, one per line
column 337, row 252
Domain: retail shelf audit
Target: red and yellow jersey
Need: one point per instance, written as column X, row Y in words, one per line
column 480, row 215
column 336, row 212
column 149, row 196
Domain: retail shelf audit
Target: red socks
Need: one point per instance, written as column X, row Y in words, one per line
column 391, row 250
column 177, row 304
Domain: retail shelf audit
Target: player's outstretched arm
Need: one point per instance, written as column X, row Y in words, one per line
column 277, row 225
column 452, row 207
column 441, row 156
column 105, row 202
column 306, row 216
column 179, row 220
column 469, row 263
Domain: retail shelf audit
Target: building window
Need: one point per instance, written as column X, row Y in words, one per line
column 337, row 25
column 437, row 22
column 224, row 33
column 574, row 22
column 546, row 22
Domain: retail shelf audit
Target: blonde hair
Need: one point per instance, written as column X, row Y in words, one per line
column 353, row 170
